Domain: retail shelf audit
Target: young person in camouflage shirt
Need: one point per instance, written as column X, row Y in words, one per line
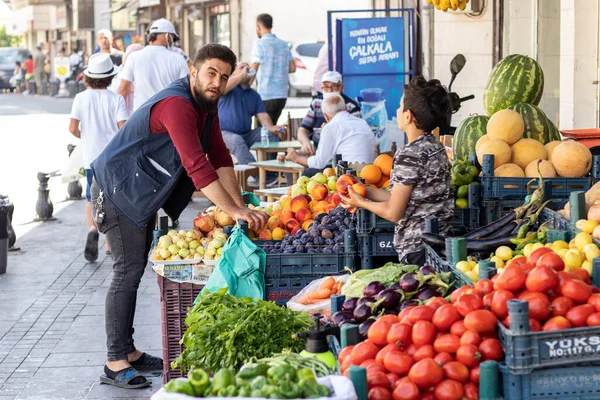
column 420, row 180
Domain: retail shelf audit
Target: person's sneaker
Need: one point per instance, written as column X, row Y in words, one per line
column 272, row 180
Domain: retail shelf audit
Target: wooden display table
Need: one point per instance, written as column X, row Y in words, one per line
column 272, row 194
column 276, row 166
column 274, row 147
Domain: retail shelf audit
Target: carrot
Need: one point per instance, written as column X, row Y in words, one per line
column 339, row 287
column 322, row 294
column 328, row 283
column 314, row 301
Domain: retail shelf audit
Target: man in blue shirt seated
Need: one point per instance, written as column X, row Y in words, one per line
column 237, row 106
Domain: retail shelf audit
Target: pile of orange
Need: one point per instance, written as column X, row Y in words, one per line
column 378, row 173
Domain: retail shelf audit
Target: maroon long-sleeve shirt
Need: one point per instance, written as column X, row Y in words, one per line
column 184, row 123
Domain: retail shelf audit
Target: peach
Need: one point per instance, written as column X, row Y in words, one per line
column 336, row 199
column 273, row 219
column 294, row 231
column 278, row 233
column 286, row 215
column 329, row 207
column 329, row 172
column 291, row 224
column 277, row 213
column 307, row 197
column 319, row 192
column 306, row 224
column 360, row 189
column 298, row 202
column 276, row 224
column 285, row 201
column 265, row 234
column 344, row 181
column 303, row 214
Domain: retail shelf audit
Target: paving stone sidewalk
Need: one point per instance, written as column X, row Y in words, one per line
column 52, row 339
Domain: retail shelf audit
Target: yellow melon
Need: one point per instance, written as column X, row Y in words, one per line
column 527, row 150
column 509, row 171
column 550, row 146
column 506, row 125
column 546, row 169
column 572, row 159
column 498, row 148
column 481, row 141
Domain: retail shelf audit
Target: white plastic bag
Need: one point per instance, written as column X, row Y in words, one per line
column 70, row 171
column 323, row 307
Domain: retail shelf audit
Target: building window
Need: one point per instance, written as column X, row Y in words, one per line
column 220, row 31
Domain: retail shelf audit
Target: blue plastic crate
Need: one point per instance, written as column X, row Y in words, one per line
column 367, row 223
column 494, row 188
column 315, row 265
column 466, row 219
column 376, row 249
column 435, row 260
column 554, row 220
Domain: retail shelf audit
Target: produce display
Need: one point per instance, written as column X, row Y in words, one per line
column 463, row 173
column 537, row 125
column 326, row 289
column 378, row 173
column 591, row 197
column 470, row 130
column 445, row 5
column 190, row 245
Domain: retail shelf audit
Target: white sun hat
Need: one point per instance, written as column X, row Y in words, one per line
column 100, row 66
column 163, row 26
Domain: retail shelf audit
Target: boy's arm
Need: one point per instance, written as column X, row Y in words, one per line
column 375, row 194
column 393, row 209
column 74, row 128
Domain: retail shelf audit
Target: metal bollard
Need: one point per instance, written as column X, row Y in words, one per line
column 44, row 207
column 33, row 87
column 72, row 88
column 54, row 86
column 74, row 189
column 43, row 90
column 9, row 208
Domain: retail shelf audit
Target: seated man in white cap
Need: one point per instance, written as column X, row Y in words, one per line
column 331, row 84
column 104, row 38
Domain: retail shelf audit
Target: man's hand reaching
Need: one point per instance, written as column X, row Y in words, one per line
column 256, row 219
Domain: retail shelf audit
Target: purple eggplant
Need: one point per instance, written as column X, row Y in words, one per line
column 389, row 298
column 427, row 270
column 365, row 300
column 392, row 311
column 341, row 316
column 428, row 292
column 408, row 303
column 363, row 328
column 362, row 312
column 373, row 288
column 409, row 282
column 395, row 286
column 349, row 304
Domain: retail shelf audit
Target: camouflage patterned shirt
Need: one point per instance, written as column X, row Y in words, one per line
column 422, row 164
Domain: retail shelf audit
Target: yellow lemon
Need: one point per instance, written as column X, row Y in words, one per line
column 572, row 244
column 499, row 271
column 587, row 265
column 472, row 263
column 476, row 269
column 589, row 226
column 573, row 259
column 536, row 246
column 499, row 262
column 562, row 252
column 559, row 245
column 472, row 276
column 591, row 251
column 548, row 245
column 582, row 239
column 528, row 249
column 463, row 266
column 504, row 252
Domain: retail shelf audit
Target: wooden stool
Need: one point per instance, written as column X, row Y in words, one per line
column 242, row 173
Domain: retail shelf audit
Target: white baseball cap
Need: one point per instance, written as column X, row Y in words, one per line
column 163, row 26
column 100, row 66
column 332, row 76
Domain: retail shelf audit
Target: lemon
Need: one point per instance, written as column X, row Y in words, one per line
column 587, row 265
column 476, row 269
column 472, row 263
column 572, row 244
column 499, row 262
column 472, row 276
column 561, row 253
column 463, row 266
column 591, row 251
column 573, row 259
column 548, row 245
column 528, row 249
column 579, row 224
column 582, row 239
column 559, row 245
column 589, row 226
column 504, row 252
column 536, row 246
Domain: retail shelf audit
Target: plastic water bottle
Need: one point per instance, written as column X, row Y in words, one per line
column 264, row 136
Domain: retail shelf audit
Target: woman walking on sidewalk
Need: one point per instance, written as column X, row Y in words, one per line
column 96, row 116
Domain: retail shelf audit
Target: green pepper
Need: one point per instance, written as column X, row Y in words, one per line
column 323, row 391
column 289, row 390
column 305, row 374
column 239, row 382
column 270, row 392
column 223, row 378
column 256, row 393
column 279, row 373
column 245, row 392
column 258, row 383
column 199, row 380
column 252, row 372
column 310, row 390
column 229, row 391
column 180, row 385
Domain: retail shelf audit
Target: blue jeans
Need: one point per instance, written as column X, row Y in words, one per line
column 239, row 145
column 89, row 175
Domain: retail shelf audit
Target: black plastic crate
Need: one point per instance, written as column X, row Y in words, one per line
column 314, row 265
column 496, row 209
column 282, row 289
column 375, row 249
column 368, row 223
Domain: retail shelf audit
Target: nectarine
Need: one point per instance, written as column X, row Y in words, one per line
column 343, row 182
column 303, row 214
column 306, row 224
column 319, row 191
column 298, row 202
column 292, row 224
column 265, row 234
column 360, row 189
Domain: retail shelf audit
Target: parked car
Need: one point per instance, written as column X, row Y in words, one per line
column 305, row 57
column 8, row 57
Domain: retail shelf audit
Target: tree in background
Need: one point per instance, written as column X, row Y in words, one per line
column 7, row 40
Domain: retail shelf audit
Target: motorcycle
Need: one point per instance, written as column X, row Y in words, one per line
column 456, row 65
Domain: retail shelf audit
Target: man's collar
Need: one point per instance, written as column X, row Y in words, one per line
column 339, row 115
column 268, row 35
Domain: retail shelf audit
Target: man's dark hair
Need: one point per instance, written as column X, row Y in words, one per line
column 152, row 37
column 101, row 83
column 428, row 101
column 18, row 63
column 265, row 20
column 217, row 51
column 30, row 57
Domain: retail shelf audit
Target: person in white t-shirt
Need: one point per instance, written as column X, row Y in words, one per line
column 96, row 116
column 155, row 67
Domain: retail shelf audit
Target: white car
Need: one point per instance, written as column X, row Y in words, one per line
column 305, row 57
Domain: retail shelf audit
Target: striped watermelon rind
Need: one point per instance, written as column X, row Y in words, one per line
column 537, row 125
column 467, row 134
column 515, row 79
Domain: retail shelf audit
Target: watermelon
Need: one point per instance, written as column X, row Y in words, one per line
column 467, row 134
column 515, row 79
column 537, row 125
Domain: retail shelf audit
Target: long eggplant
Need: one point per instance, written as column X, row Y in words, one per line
column 490, row 244
column 434, row 240
column 505, row 230
column 492, row 228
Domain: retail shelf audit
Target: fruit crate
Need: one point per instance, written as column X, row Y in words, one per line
column 435, row 260
column 368, row 223
column 494, row 188
column 175, row 300
column 376, row 248
column 496, row 209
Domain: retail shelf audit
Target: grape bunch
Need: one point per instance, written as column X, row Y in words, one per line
column 445, row 5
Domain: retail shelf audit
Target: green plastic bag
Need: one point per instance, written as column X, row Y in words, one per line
column 241, row 268
column 251, row 198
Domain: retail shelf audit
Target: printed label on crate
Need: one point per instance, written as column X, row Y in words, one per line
column 386, row 244
column 178, row 272
column 201, row 273
column 554, row 383
column 572, row 346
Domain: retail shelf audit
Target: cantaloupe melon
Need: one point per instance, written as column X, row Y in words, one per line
column 506, row 125
column 481, row 141
column 509, row 171
column 550, row 148
column 572, row 159
column 498, row 148
column 546, row 169
column 527, row 150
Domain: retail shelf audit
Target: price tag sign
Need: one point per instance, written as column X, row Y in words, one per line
column 62, row 68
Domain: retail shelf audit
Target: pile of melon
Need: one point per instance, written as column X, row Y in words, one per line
column 519, row 156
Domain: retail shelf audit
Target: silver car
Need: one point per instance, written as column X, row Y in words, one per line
column 305, row 57
column 8, row 57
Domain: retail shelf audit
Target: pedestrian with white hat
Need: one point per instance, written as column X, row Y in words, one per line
column 155, row 67
column 96, row 116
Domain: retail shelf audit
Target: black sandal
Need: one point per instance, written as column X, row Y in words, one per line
column 128, row 378
column 146, row 362
column 91, row 246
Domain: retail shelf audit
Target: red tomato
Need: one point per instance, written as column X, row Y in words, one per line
column 390, row 318
column 556, row 324
column 406, row 390
column 539, row 306
column 491, row 349
column 518, row 260
column 593, row 319
column 468, row 302
column 429, row 396
column 481, row 321
column 421, row 313
column 448, row 343
column 561, row 305
column 379, row 393
column 484, row 287
column 470, row 337
column 368, row 363
column 578, row 315
column 375, row 367
column 384, row 351
column 460, row 291
column 425, row 351
column 457, row 371
column 576, row 290
column 563, row 276
column 398, row 362
column 406, row 321
column 400, row 335
column 393, row 378
column 488, row 300
column 378, row 332
column 512, row 279
column 506, row 323
column 469, row 355
column 426, row 373
column 595, row 301
column 534, row 325
column 471, row 391
column 363, row 351
column 542, row 278
column 378, row 379
column 345, row 353
column 551, row 260
column 458, row 328
column 444, row 317
column 474, row 375
column 500, row 303
column 449, row 390
column 412, row 349
column 536, row 254
column 443, row 358
column 405, row 312
column 423, row 332
column 489, row 335
column 346, row 364
column 436, row 302
column 581, row 273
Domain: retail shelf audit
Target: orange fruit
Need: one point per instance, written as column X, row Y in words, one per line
column 384, row 162
column 371, row 174
column 383, row 182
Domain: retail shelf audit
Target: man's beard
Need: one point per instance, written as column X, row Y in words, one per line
column 204, row 103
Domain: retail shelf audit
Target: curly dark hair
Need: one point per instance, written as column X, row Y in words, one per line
column 428, row 101
column 94, row 83
column 218, row 51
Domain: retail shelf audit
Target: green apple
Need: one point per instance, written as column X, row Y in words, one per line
column 176, row 257
column 311, row 185
column 200, row 251
column 183, row 244
column 209, row 256
column 277, row 206
column 174, row 249
column 303, row 181
column 219, row 251
column 163, row 244
column 177, row 237
column 184, row 253
column 190, row 234
column 189, row 257
column 194, row 244
column 269, row 211
column 182, row 232
column 320, row 177
column 164, row 253
column 166, row 238
column 298, row 190
column 172, row 232
column 331, row 183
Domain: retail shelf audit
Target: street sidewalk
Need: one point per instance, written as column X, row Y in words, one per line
column 52, row 340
